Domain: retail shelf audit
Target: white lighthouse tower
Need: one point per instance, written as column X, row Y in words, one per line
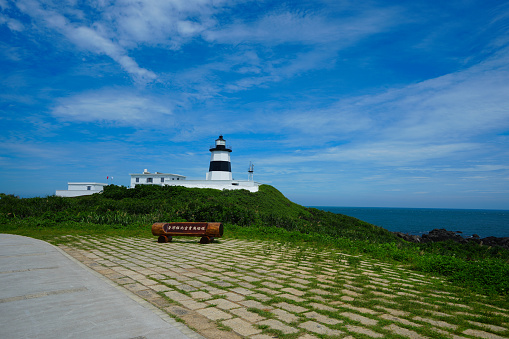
column 220, row 166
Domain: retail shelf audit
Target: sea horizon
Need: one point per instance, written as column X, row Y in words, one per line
column 419, row 221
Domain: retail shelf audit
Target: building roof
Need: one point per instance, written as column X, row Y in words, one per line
column 157, row 173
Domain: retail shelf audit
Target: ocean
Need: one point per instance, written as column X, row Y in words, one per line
column 418, row 221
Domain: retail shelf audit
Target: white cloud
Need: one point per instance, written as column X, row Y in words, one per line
column 309, row 28
column 115, row 106
column 12, row 24
column 90, row 39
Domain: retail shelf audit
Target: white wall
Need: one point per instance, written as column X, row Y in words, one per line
column 76, row 189
column 156, row 179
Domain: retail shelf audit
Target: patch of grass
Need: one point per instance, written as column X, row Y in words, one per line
column 263, row 313
column 223, row 327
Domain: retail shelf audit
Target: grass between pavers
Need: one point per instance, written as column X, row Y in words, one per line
column 334, row 277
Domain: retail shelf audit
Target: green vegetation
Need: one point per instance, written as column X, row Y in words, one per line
column 265, row 215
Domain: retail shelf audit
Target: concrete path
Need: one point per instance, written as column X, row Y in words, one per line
column 45, row 293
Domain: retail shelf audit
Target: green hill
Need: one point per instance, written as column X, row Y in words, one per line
column 266, row 214
column 121, row 208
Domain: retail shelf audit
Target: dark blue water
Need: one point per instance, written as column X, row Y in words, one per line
column 417, row 221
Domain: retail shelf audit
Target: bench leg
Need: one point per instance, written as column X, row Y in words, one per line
column 163, row 239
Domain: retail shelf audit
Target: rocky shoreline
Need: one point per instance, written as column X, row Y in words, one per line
column 444, row 235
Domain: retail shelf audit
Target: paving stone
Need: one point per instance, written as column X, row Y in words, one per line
column 285, row 316
column 241, row 290
column 177, row 296
column 271, row 284
column 399, row 320
column 322, row 307
column 360, row 309
column 319, row 328
column 363, row 320
column 309, row 336
column 193, row 305
column 262, row 336
column 222, row 283
column 436, row 323
column 198, row 322
column 234, row 297
column 214, row 314
column 214, row 291
column 197, row 284
column 385, row 295
column 247, row 285
column 482, row 334
column 223, row 304
column 321, row 318
column 250, row 278
column 205, row 278
column 488, row 326
column 350, row 293
column 215, row 333
column 147, row 294
column 293, row 291
column 171, row 282
column 365, row 331
column 277, row 325
column 124, row 280
column 241, row 327
column 260, row 296
column 160, row 288
column 176, row 310
column 291, row 297
column 247, row 315
column 403, row 332
column 147, row 282
column 187, row 288
column 394, row 312
column 135, row 287
column 255, row 304
column 200, row 295
column 301, row 281
column 291, row 307
column 268, row 291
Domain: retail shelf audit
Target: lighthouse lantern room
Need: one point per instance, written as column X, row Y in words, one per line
column 220, row 166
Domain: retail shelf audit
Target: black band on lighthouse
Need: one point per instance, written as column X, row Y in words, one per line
column 222, row 166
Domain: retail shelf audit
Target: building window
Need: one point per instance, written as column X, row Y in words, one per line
column 162, row 179
column 137, row 179
column 89, row 188
column 149, row 180
column 172, row 178
column 177, row 178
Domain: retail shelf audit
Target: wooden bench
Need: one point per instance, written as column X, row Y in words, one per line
column 206, row 230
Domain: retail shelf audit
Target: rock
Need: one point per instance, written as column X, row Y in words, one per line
column 444, row 235
column 409, row 237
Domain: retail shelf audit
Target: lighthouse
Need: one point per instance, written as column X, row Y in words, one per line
column 220, row 166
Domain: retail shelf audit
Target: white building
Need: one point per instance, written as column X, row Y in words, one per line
column 76, row 189
column 147, row 178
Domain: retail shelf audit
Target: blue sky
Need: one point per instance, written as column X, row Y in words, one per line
column 338, row 103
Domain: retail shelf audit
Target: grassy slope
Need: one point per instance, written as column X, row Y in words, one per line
column 266, row 214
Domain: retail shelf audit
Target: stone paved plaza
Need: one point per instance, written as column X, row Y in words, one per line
column 253, row 289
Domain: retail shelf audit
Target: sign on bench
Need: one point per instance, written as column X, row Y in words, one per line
column 206, row 230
